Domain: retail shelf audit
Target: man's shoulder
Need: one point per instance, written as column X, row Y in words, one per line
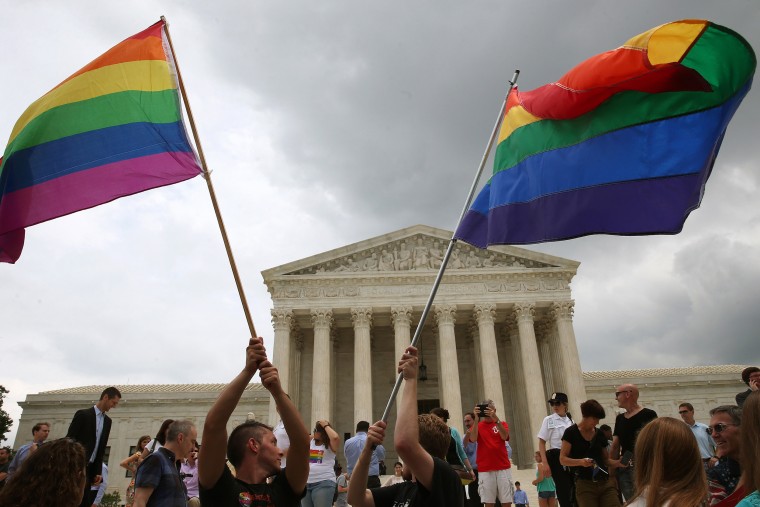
column 356, row 439
column 648, row 411
column 82, row 412
column 24, row 448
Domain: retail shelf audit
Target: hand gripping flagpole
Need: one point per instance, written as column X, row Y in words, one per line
column 207, row 177
column 452, row 243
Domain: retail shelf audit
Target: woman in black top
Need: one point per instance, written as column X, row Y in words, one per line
column 584, row 450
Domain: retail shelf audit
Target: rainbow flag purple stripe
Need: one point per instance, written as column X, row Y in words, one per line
column 622, row 144
column 114, row 128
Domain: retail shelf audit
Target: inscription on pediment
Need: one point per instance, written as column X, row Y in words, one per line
column 420, row 253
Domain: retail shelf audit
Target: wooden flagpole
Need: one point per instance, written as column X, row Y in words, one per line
column 452, row 242
column 207, row 177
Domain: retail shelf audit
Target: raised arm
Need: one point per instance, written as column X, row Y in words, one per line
column 407, row 433
column 334, row 439
column 358, row 494
column 297, row 471
column 212, row 457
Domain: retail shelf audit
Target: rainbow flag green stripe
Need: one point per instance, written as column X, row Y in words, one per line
column 97, row 113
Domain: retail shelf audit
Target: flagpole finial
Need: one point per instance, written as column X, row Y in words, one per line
column 513, row 81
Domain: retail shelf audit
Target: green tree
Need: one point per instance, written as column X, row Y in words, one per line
column 5, row 420
column 111, row 500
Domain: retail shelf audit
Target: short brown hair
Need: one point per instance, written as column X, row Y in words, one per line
column 435, row 436
column 592, row 408
column 39, row 425
column 688, row 406
column 111, row 393
column 239, row 438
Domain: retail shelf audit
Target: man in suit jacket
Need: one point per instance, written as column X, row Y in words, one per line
column 91, row 427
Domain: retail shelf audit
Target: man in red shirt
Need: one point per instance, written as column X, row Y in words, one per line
column 494, row 474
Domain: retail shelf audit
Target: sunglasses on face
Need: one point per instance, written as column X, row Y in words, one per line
column 682, row 412
column 718, row 428
column 618, row 393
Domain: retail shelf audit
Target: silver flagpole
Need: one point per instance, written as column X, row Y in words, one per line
column 452, row 242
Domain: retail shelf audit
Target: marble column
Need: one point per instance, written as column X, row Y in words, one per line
column 402, row 323
column 489, row 356
column 335, row 347
column 534, row 384
column 543, row 333
column 322, row 320
column 282, row 320
column 521, row 435
column 572, row 373
column 362, row 320
column 295, row 366
column 448, row 364
column 476, row 374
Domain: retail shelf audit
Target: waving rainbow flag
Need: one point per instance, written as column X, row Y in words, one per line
column 113, row 128
column 622, row 144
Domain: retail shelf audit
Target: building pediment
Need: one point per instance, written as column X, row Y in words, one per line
column 415, row 249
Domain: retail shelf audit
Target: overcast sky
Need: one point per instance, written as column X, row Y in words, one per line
column 331, row 122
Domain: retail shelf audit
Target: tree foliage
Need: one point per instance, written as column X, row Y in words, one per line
column 5, row 419
column 111, row 500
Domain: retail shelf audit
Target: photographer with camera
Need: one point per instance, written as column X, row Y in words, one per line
column 494, row 474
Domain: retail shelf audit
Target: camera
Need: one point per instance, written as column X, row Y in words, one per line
column 482, row 409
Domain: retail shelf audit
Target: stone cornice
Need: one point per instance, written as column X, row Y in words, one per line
column 536, row 287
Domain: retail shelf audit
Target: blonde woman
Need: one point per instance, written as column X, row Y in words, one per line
column 669, row 470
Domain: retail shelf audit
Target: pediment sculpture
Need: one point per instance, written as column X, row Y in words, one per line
column 419, row 253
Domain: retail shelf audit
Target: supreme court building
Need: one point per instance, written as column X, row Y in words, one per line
column 500, row 328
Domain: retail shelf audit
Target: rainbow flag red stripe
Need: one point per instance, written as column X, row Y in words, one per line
column 112, row 129
column 622, row 144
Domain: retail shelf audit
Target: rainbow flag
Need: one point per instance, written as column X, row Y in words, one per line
column 622, row 144
column 113, row 128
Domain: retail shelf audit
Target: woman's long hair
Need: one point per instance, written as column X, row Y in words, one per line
column 54, row 474
column 161, row 435
column 140, row 446
column 668, row 465
column 750, row 438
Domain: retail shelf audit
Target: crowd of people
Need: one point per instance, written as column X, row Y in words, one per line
column 645, row 460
